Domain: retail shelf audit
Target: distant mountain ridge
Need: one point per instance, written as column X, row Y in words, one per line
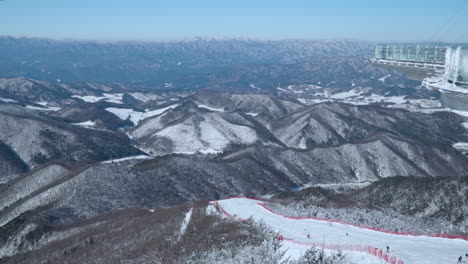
column 153, row 62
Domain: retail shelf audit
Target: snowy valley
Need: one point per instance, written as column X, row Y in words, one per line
column 261, row 152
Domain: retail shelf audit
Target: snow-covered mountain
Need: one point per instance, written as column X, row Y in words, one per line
column 328, row 124
column 257, row 105
column 192, row 128
column 155, row 125
column 36, row 139
column 200, row 125
column 256, row 170
column 214, row 122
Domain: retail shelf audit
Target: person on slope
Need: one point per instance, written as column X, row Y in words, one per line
column 460, row 259
column 388, row 249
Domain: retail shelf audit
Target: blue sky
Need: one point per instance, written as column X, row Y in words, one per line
column 394, row 20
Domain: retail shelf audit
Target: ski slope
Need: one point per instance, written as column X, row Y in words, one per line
column 409, row 249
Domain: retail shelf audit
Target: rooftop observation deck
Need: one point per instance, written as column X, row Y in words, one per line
column 420, row 60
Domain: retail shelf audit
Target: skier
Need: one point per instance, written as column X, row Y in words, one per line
column 460, row 259
column 388, row 249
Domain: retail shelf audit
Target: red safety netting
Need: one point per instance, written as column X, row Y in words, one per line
column 374, row 251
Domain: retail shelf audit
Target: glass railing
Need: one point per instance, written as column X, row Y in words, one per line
column 432, row 55
column 412, row 52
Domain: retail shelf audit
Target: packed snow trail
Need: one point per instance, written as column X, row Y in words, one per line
column 186, row 221
column 411, row 249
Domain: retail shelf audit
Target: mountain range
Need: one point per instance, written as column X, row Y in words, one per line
column 153, row 62
column 95, row 136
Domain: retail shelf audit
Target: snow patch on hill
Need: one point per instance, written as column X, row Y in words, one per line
column 52, row 108
column 356, row 96
column 344, row 95
column 211, row 108
column 384, row 78
column 215, row 134
column 7, row 100
column 139, row 157
column 136, row 116
column 87, row 124
column 458, row 112
column 186, row 221
column 254, row 87
column 107, row 97
column 122, row 113
column 145, row 97
column 462, row 146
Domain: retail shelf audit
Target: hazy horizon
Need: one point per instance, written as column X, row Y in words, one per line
column 182, row 39
column 213, row 38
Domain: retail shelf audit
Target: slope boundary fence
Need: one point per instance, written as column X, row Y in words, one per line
column 371, row 250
